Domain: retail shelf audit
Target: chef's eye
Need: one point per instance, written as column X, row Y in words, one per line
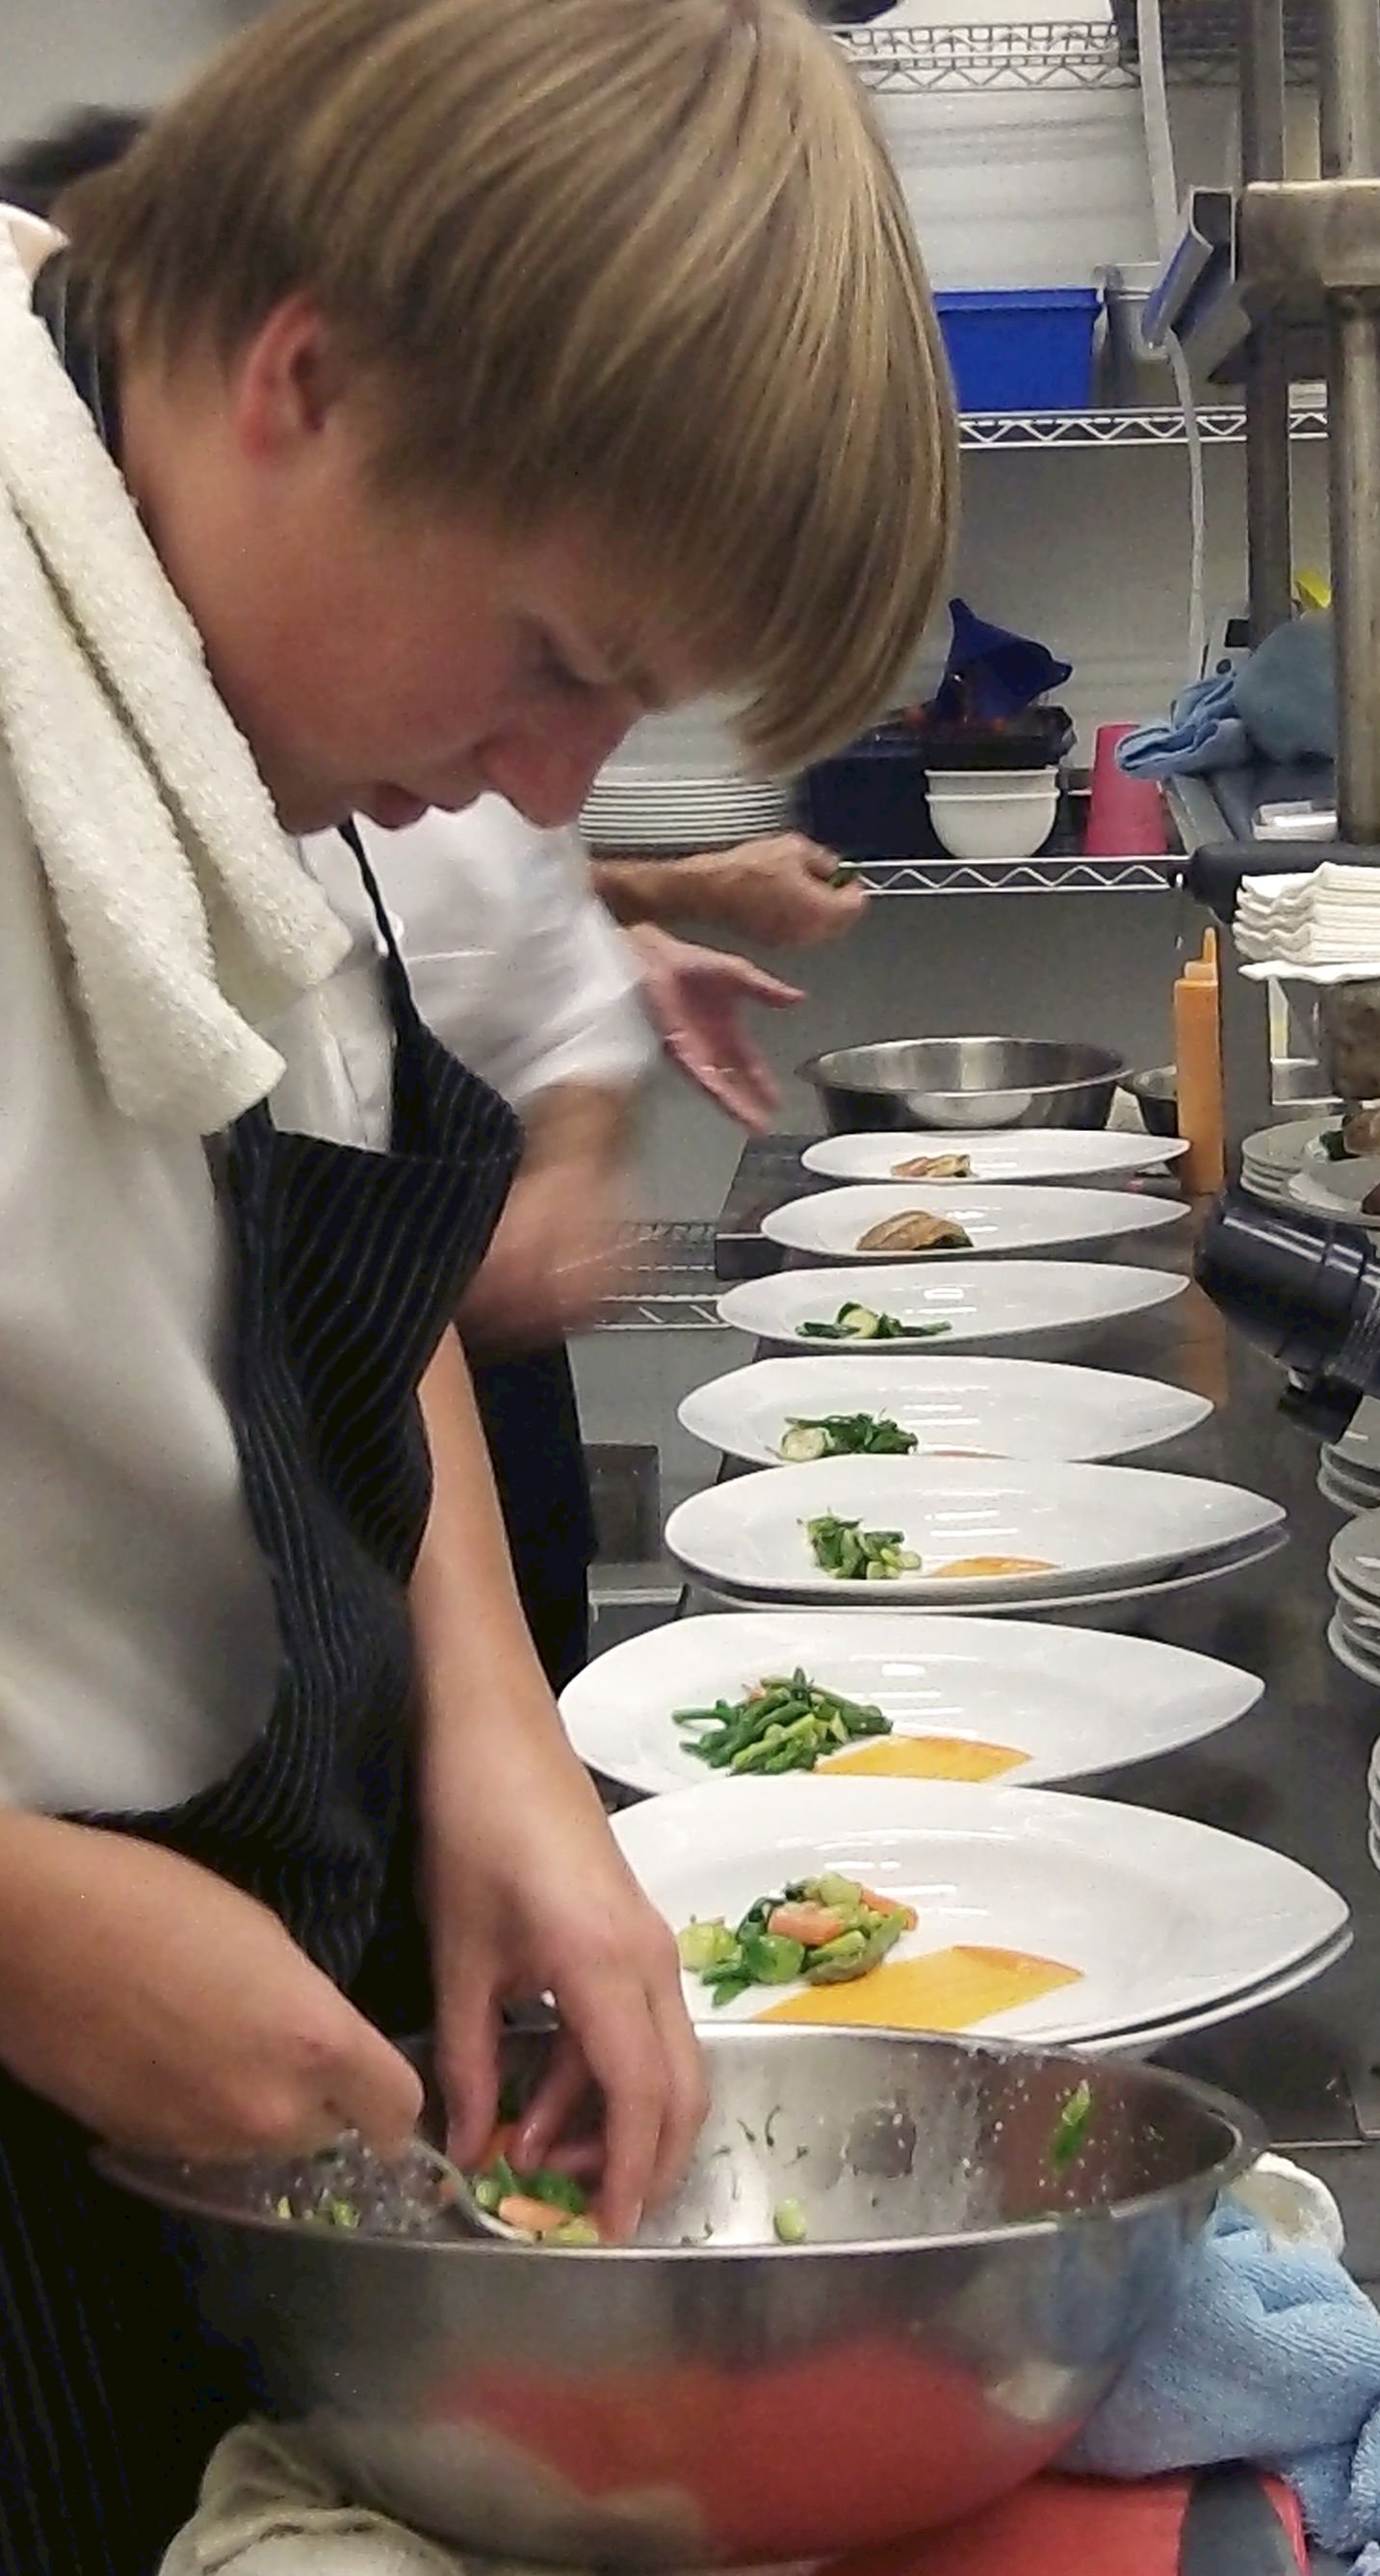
column 555, row 672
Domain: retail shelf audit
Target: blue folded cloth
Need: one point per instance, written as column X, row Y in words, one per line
column 1272, row 2355
column 990, row 674
column 1281, row 706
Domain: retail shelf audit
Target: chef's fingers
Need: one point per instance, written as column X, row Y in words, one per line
column 467, row 2058
column 753, row 984
column 376, row 2091
column 687, row 2101
column 540, row 2136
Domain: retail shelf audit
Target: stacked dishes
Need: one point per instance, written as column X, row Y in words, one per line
column 1274, row 1155
column 1353, row 1570
column 1340, row 1191
column 1349, row 1468
column 1028, row 1914
column 652, row 809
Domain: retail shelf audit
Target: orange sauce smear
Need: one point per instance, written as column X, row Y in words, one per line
column 944, row 1990
column 924, row 1757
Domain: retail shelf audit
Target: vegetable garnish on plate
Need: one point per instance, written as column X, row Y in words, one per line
column 784, row 1723
column 844, row 1435
column 825, row 1930
column 855, row 1555
column 855, row 1323
column 551, row 2208
column 934, row 1167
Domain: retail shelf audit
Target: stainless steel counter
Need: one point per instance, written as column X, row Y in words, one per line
column 1291, row 1774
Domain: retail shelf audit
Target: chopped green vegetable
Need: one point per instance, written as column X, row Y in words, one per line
column 856, row 1555
column 785, row 1723
column 845, row 1435
column 1333, row 1143
column 855, row 1323
column 1070, row 2132
column 825, row 1931
column 789, row 2221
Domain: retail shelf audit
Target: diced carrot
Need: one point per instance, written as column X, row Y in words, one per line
column 534, row 2217
column 805, row 1922
column 889, row 1905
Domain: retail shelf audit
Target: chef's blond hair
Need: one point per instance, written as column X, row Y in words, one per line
column 641, row 261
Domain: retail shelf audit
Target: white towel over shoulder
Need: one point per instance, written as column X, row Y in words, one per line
column 189, row 919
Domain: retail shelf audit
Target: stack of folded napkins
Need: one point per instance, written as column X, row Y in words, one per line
column 1322, row 928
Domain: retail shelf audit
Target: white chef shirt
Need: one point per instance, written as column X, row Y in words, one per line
column 138, row 1646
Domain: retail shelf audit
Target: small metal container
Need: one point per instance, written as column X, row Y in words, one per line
column 952, row 1084
column 961, row 2302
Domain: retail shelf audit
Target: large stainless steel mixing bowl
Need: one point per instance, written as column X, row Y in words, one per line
column 956, row 2313
column 954, row 1083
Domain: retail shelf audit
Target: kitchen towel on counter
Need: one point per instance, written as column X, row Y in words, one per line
column 1272, row 2356
column 1325, row 924
column 1280, row 706
column 992, row 675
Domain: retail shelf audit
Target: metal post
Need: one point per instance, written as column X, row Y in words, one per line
column 1268, row 533
column 1349, row 80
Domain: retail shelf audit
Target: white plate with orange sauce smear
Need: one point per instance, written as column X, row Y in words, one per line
column 1039, row 1915
column 967, row 1698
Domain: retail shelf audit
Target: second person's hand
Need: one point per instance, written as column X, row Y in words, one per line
column 782, row 892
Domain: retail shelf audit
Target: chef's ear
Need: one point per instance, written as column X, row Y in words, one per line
column 286, row 382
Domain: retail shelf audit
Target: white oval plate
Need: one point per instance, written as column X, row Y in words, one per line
column 1071, row 1700
column 1003, row 1154
column 983, row 1305
column 1166, row 2034
column 1007, row 1219
column 1355, row 1554
column 998, row 1408
column 1336, row 1190
column 1095, row 1526
column 1160, row 1915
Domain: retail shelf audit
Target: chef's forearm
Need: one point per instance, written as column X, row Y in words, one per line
column 477, row 1668
column 655, row 890
column 577, row 1123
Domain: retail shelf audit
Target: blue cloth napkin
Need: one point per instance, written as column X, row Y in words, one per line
column 991, row 674
column 1272, row 2355
column 1281, row 705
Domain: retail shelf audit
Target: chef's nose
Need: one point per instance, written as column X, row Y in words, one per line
column 546, row 766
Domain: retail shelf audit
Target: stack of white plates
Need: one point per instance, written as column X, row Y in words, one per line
column 1062, row 1920
column 646, row 808
column 1038, row 1536
column 1270, row 1158
column 1349, row 1468
column 1353, row 1570
column 1336, row 1190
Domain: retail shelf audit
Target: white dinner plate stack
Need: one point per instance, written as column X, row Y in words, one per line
column 1337, row 1190
column 705, row 810
column 1271, row 1158
column 1353, row 1570
column 1349, row 1468
column 1152, row 1925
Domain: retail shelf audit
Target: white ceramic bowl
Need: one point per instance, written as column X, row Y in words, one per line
column 1007, row 825
column 993, row 782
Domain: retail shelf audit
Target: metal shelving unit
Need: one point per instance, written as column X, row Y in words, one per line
column 670, row 1286
column 1059, row 873
column 1224, row 425
column 1038, row 54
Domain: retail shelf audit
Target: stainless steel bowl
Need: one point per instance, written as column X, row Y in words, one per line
column 956, row 1083
column 707, row 2395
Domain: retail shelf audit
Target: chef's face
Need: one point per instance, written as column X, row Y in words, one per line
column 379, row 658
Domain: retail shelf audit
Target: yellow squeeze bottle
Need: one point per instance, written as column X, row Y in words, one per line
column 1198, row 1062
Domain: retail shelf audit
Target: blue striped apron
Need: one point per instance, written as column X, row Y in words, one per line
column 348, row 1267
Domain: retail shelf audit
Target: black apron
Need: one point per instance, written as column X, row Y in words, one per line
column 532, row 1425
column 348, row 1268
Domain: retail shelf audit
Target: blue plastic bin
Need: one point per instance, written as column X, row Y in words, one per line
column 1029, row 349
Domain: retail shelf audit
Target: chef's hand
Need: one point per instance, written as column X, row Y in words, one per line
column 777, row 891
column 529, row 1894
column 554, row 1254
column 695, row 997
column 171, row 2014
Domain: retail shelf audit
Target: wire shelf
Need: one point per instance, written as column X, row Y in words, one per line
column 668, row 1280
column 1039, row 54
column 1057, row 874
column 1221, row 426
